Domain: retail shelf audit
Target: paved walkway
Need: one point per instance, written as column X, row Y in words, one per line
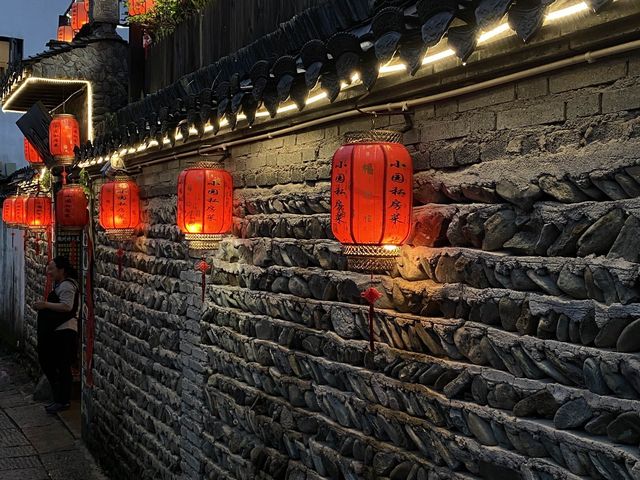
column 33, row 444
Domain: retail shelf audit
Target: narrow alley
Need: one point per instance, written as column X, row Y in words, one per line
column 33, row 444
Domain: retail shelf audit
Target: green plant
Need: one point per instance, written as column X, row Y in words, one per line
column 166, row 15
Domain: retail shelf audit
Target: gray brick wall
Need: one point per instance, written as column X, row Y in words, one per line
column 507, row 337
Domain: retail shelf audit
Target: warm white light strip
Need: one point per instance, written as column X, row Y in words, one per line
column 6, row 104
column 485, row 37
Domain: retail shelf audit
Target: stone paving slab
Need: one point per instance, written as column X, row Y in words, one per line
column 33, row 444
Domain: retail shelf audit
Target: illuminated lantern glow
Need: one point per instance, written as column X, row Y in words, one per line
column 37, row 213
column 79, row 15
column 140, row 7
column 371, row 198
column 119, row 207
column 65, row 30
column 64, row 136
column 31, row 155
column 13, row 211
column 71, row 208
column 205, row 205
column 8, row 211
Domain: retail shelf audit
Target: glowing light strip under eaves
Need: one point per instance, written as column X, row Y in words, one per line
column 500, row 31
column 14, row 94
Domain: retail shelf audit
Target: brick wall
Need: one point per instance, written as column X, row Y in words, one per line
column 507, row 336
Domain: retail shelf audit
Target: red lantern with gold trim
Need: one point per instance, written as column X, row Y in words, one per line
column 37, row 216
column 71, row 208
column 79, row 15
column 119, row 207
column 140, row 7
column 65, row 31
column 31, row 155
column 64, row 136
column 205, row 205
column 371, row 198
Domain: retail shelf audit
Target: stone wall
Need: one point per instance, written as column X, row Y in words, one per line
column 507, row 338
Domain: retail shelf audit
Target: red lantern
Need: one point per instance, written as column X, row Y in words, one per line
column 205, row 205
column 37, row 215
column 120, row 207
column 79, row 15
column 64, row 136
column 65, row 33
column 71, row 208
column 140, row 7
column 8, row 211
column 371, row 198
column 31, row 155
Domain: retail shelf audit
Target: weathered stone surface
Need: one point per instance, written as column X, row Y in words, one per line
column 593, row 377
column 629, row 340
column 499, row 228
column 522, row 197
column 626, row 243
column 625, row 429
column 572, row 414
column 599, row 237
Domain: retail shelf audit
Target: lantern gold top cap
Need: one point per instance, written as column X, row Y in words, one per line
column 371, row 136
column 57, row 115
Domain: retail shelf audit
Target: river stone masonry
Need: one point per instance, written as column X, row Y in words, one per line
column 507, row 337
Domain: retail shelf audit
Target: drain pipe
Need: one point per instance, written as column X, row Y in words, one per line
column 588, row 57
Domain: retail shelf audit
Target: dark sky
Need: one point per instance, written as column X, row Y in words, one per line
column 36, row 22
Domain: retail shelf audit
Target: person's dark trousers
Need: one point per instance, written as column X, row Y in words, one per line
column 56, row 353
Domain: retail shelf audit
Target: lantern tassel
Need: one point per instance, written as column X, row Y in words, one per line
column 371, row 295
column 120, row 255
column 203, row 266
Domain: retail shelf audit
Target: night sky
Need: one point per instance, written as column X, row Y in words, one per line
column 35, row 21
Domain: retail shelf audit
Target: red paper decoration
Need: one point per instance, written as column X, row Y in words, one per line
column 205, row 205
column 79, row 15
column 371, row 198
column 37, row 214
column 31, row 155
column 120, row 207
column 140, row 7
column 71, row 208
column 64, row 136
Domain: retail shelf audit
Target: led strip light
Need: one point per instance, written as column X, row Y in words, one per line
column 7, row 108
column 503, row 30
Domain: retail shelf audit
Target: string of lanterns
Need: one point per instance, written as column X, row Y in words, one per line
column 371, row 201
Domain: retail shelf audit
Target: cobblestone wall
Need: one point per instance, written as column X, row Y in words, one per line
column 508, row 336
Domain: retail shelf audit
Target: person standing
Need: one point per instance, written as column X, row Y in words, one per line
column 58, row 332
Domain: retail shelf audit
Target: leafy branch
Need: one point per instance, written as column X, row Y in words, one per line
column 166, row 15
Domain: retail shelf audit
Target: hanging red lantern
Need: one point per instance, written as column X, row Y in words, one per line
column 79, row 15
column 140, row 7
column 71, row 208
column 37, row 216
column 371, row 198
column 65, row 31
column 64, row 136
column 120, row 207
column 205, row 205
column 31, row 155
column 17, row 213
column 8, row 210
